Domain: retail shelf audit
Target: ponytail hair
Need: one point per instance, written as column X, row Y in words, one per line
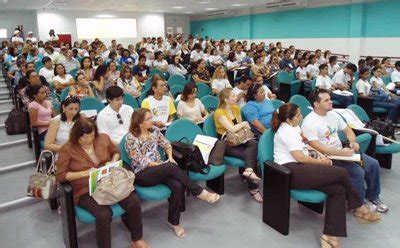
column 286, row 112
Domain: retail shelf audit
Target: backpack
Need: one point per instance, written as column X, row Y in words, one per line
column 16, row 122
column 385, row 128
column 189, row 157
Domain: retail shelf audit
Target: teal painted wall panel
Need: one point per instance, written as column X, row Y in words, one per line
column 356, row 20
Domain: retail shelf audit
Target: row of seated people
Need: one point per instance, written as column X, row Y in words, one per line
column 143, row 134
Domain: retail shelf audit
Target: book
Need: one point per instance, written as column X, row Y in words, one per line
column 97, row 174
column 355, row 158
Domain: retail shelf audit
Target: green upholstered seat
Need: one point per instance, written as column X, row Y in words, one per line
column 86, row 217
column 308, row 195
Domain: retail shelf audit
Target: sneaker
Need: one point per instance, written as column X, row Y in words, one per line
column 380, row 206
column 371, row 207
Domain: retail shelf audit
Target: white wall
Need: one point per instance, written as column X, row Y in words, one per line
column 11, row 19
column 148, row 24
column 175, row 21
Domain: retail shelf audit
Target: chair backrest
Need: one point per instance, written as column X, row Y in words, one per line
column 209, row 126
column 355, row 92
column 293, row 75
column 266, row 148
column 38, row 65
column 64, row 94
column 176, row 90
column 147, row 84
column 177, row 80
column 154, row 71
column 142, row 96
column 303, row 104
column 386, row 80
column 210, row 102
column 361, row 114
column 277, row 103
column 73, row 72
column 283, row 76
column 91, row 103
column 204, row 90
column 182, row 128
column 124, row 154
column 131, row 101
column 314, row 82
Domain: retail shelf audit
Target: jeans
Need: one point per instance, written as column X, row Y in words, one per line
column 359, row 175
column 391, row 107
column 344, row 101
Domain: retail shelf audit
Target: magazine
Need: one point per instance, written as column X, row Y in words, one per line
column 97, row 174
column 205, row 144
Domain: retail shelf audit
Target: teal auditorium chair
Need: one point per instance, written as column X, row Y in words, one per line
column 154, row 71
column 74, row 72
column 210, row 102
column 142, row 96
column 186, row 131
column 64, row 93
column 147, row 83
column 209, row 130
column 302, row 103
column 287, row 86
column 91, row 103
column 203, row 90
column 277, row 191
column 38, row 65
column 367, row 103
column 384, row 154
column 131, row 101
column 277, row 103
column 155, row 193
column 176, row 90
column 177, row 80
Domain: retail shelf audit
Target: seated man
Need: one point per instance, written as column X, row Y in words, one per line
column 141, row 71
column 115, row 119
column 344, row 77
column 24, row 81
column 395, row 76
column 323, row 81
column 286, row 63
column 32, row 78
column 321, row 128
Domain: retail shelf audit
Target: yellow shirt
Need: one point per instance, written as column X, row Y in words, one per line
column 223, row 112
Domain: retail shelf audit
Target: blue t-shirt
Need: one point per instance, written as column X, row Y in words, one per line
column 261, row 111
column 137, row 70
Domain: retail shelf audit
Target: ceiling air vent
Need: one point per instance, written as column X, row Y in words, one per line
column 285, row 4
column 219, row 13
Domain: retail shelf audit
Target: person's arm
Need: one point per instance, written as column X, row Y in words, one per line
column 255, row 71
column 71, row 82
column 300, row 157
column 58, row 85
column 91, row 93
column 49, row 142
column 232, row 128
column 33, row 117
column 351, row 137
column 196, row 79
column 346, row 152
column 63, row 171
column 99, row 85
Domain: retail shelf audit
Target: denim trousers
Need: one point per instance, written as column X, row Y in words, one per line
column 368, row 174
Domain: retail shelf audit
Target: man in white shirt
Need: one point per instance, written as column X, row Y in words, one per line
column 239, row 53
column 115, row 119
column 70, row 63
column 321, row 128
column 31, row 38
column 241, row 89
column 395, row 76
column 196, row 54
column 344, row 77
column 17, row 39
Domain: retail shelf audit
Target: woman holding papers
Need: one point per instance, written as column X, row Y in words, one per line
column 142, row 144
column 87, row 150
column 190, row 107
column 291, row 151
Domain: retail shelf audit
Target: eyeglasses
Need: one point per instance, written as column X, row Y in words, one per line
column 120, row 119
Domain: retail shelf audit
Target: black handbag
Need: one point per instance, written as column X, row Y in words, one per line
column 16, row 122
column 189, row 157
column 385, row 128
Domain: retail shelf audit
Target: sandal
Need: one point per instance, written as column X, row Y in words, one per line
column 251, row 175
column 367, row 217
column 329, row 243
column 178, row 230
column 208, row 197
column 139, row 244
column 256, row 194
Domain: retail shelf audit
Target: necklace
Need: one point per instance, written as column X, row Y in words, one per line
column 88, row 150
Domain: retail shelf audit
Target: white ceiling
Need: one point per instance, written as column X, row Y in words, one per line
column 189, row 7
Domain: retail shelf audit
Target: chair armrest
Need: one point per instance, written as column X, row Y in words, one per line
column 68, row 214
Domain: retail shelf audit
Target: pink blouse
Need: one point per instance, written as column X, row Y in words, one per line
column 44, row 114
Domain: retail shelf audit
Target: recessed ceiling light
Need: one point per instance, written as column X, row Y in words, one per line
column 239, row 4
column 209, row 9
column 178, row 7
column 203, row 2
column 189, row 12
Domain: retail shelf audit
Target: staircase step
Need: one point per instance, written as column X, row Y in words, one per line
column 14, row 184
column 16, row 154
column 14, row 167
column 5, row 112
column 4, row 137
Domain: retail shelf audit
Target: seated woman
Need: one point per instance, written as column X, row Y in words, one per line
column 215, row 59
column 291, row 151
column 268, row 93
column 160, row 63
column 175, row 68
column 82, row 89
column 227, row 118
column 159, row 103
column 259, row 69
column 258, row 109
column 48, row 70
column 126, row 59
column 219, row 80
column 100, row 81
column 61, row 79
column 60, row 126
column 87, row 68
column 234, row 67
column 380, row 96
column 201, row 73
column 190, row 107
column 128, row 83
column 142, row 144
column 87, row 150
column 40, row 110
column 113, row 73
